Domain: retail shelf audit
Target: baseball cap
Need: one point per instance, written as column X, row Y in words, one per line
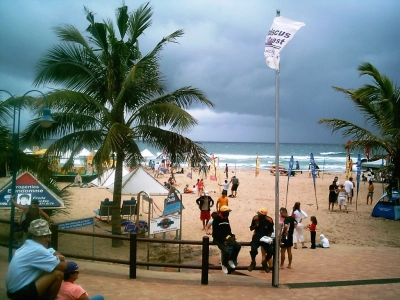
column 225, row 208
column 72, row 267
column 262, row 211
column 39, row 227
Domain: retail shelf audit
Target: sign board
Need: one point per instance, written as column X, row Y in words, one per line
column 29, row 188
column 164, row 224
column 172, row 204
column 76, row 223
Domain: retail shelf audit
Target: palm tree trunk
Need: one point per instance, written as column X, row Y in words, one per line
column 116, row 211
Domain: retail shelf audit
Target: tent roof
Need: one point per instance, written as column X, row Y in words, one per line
column 139, row 180
column 146, row 153
column 107, row 178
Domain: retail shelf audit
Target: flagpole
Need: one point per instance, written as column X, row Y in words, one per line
column 275, row 274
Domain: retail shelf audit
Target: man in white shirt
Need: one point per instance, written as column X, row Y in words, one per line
column 156, row 169
column 348, row 185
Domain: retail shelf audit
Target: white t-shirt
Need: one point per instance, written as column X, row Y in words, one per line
column 225, row 186
column 348, row 185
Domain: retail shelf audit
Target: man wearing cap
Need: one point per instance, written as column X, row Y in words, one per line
column 205, row 202
column 70, row 290
column 35, row 271
column 262, row 225
column 223, row 237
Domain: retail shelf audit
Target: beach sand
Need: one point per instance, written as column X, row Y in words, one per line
column 355, row 228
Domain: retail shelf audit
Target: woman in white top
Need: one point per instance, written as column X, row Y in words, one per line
column 298, row 215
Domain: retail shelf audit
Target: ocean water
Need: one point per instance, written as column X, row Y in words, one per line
column 329, row 157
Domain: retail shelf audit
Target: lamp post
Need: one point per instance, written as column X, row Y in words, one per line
column 46, row 121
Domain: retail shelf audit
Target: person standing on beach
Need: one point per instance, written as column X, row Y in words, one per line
column 225, row 186
column 223, row 237
column 342, row 196
column 298, row 167
column 235, row 185
column 205, row 202
column 370, row 191
column 223, row 200
column 313, row 230
column 263, row 225
column 298, row 215
column 332, row 194
column 289, row 223
column 226, row 171
column 348, row 185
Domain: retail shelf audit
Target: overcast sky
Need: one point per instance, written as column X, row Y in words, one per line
column 221, row 53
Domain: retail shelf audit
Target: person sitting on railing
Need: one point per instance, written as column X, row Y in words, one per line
column 35, row 271
column 223, row 237
column 70, row 290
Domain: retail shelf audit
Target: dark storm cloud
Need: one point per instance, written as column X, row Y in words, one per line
column 222, row 54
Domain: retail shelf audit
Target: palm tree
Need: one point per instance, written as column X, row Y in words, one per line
column 113, row 96
column 380, row 104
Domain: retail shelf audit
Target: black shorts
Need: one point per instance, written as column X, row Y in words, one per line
column 286, row 243
column 234, row 187
column 27, row 292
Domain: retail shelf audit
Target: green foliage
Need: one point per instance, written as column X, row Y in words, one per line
column 112, row 96
column 380, row 104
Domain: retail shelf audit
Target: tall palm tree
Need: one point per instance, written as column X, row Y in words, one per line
column 380, row 104
column 113, row 96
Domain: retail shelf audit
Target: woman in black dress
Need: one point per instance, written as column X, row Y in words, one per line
column 332, row 194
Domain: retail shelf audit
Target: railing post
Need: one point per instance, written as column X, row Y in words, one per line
column 204, row 259
column 132, row 255
column 54, row 236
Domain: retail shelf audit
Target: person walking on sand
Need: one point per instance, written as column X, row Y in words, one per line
column 332, row 194
column 286, row 240
column 348, row 185
column 370, row 191
column 342, row 196
column 223, row 200
column 235, row 185
column 263, row 225
column 205, row 202
column 223, row 237
column 313, row 230
column 226, row 171
column 298, row 215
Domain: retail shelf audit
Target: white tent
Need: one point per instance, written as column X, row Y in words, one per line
column 84, row 153
column 28, row 151
column 107, row 178
column 146, row 153
column 139, row 180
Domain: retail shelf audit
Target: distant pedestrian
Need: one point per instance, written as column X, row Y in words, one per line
column 298, row 167
column 313, row 230
column 298, row 215
column 235, row 185
column 370, row 191
column 205, row 202
column 223, row 200
column 332, row 194
column 225, row 186
column 342, row 197
column 226, row 171
column 348, row 185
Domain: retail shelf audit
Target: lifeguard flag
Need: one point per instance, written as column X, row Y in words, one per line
column 281, row 32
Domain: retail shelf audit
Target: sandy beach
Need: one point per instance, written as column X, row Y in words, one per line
column 355, row 228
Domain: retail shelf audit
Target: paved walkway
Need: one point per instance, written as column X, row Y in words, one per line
column 341, row 272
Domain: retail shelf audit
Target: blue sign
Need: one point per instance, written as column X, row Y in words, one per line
column 76, row 223
column 172, row 204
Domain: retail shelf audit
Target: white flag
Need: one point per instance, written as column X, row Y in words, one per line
column 281, row 32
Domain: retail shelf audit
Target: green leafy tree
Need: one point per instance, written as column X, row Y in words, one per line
column 112, row 96
column 380, row 104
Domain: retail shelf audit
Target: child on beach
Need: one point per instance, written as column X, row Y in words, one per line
column 313, row 227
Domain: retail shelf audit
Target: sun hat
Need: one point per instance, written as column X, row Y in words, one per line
column 39, row 227
column 72, row 267
column 262, row 211
column 225, row 208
